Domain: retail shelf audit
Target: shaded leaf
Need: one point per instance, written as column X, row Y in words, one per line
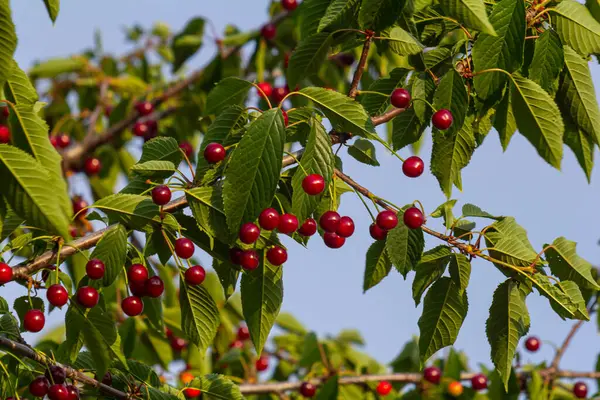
column 504, row 120
column 404, row 247
column 451, row 94
column 112, row 251
column 407, row 129
column 162, row 148
column 8, row 44
column 402, row 42
column 548, row 60
column 132, row 210
column 230, row 91
column 187, row 42
column 52, row 6
column 431, row 267
column 566, row 264
column 470, row 13
column 199, row 315
column 364, row 151
column 460, row 270
column 576, row 26
column 378, row 265
column 308, row 57
column 376, row 104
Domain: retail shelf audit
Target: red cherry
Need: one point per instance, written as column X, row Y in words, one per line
column 6, row 273
column 154, row 287
column 106, row 379
column 249, row 260
column 63, row 141
column 308, row 228
column 532, row 344
column 184, row 248
column 249, row 233
column 5, row 112
column 95, row 269
column 79, row 206
column 345, row 59
column 195, row 275
column 333, row 240
column 268, row 219
column 286, row 118
column 87, row 296
column 178, row 344
column 442, row 119
column 54, row 141
column 132, row 306
column 307, row 389
column 262, row 363
column 236, row 344
column 329, row 221
column 140, row 129
column 479, row 382
column 580, row 390
column 400, row 98
column 266, row 88
column 279, row 94
column 243, row 333
column 235, row 255
column 288, row 224
column 384, row 388
column 413, row 167
column 432, row 375
column 39, row 386
column 386, row 220
column 214, row 153
column 345, row 227
column 57, row 295
column 138, row 288
column 187, row 148
column 289, row 5
column 161, row 195
column 34, row 321
column 192, row 392
column 4, row 134
column 56, row 374
column 377, row 233
column 108, row 110
column 92, row 166
column 277, row 255
column 73, row 392
column 413, row 218
column 137, row 273
column 313, row 184
column 144, row 108
column 268, row 32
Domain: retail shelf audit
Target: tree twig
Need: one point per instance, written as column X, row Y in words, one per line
column 360, row 67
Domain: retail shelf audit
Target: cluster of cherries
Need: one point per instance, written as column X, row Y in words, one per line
column 441, row 119
column 269, row 31
column 4, row 129
column 53, row 384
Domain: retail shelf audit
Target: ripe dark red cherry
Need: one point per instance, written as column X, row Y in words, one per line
column 57, row 295
column 479, row 382
column 249, row 260
column 329, row 221
column 138, row 288
column 307, row 389
column 184, row 248
column 132, row 306
column 144, row 108
column 268, row 219
column 236, row 344
column 73, row 392
column 413, row 167
column 79, row 206
column 137, row 273
column 268, row 32
column 154, row 287
column 313, row 184
column 289, row 5
column 400, row 98
column 387, row 220
column 56, row 374
column 249, row 233
column 95, row 269
column 345, row 227
column 262, row 363
column 413, row 218
column 377, row 233
column 266, row 88
column 214, row 153
column 442, row 119
column 6, row 273
column 384, row 388
column 39, row 386
column 580, row 390
column 243, row 333
column 277, row 255
column 288, row 224
column 192, row 392
column 235, row 255
column 140, row 129
column 161, row 195
column 532, row 344
column 308, row 228
column 279, row 93
column 178, row 344
column 87, row 296
column 53, row 141
column 4, row 112
column 34, row 321
column 106, row 379
column 92, row 166
column 286, row 118
column 195, row 275
column 63, row 140
column 4, row 134
column 432, row 375
column 333, row 240
column 187, row 148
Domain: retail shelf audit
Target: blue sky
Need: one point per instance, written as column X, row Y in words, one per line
column 323, row 287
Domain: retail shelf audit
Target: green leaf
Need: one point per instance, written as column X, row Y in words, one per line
column 538, row 119
column 253, row 171
column 460, row 270
column 230, row 91
column 132, row 210
column 199, row 315
column 262, row 296
column 577, row 94
column 470, row 13
column 376, row 104
column 187, row 42
column 52, row 6
column 378, row 265
column 308, row 57
column 19, row 87
column 309, row 14
column 316, row 159
column 567, row 265
column 576, row 26
column 112, row 251
column 335, row 12
column 329, row 390
column 407, row 129
column 431, row 267
column 25, row 187
column 162, row 148
column 341, row 110
column 422, row 87
column 404, row 247
column 508, row 322
column 567, row 304
column 510, row 243
column 548, row 60
column 451, row 94
column 10, row 326
column 450, row 154
column 582, row 146
column 504, row 120
column 289, row 323
column 8, row 45
column 217, row 387
column 471, row 210
column 154, row 169
column 57, row 66
column 228, row 275
column 379, row 14
column 504, row 50
column 402, row 42
column 364, row 151
column 3, row 306
column 444, row 311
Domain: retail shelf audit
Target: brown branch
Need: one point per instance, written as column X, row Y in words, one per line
column 26, row 351
column 360, row 67
column 388, row 116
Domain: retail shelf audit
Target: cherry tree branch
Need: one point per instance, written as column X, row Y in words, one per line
column 360, row 68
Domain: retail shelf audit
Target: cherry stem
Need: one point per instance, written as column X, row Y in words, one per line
column 426, row 102
column 263, row 94
column 297, row 162
column 187, row 160
column 364, row 203
column 359, row 92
